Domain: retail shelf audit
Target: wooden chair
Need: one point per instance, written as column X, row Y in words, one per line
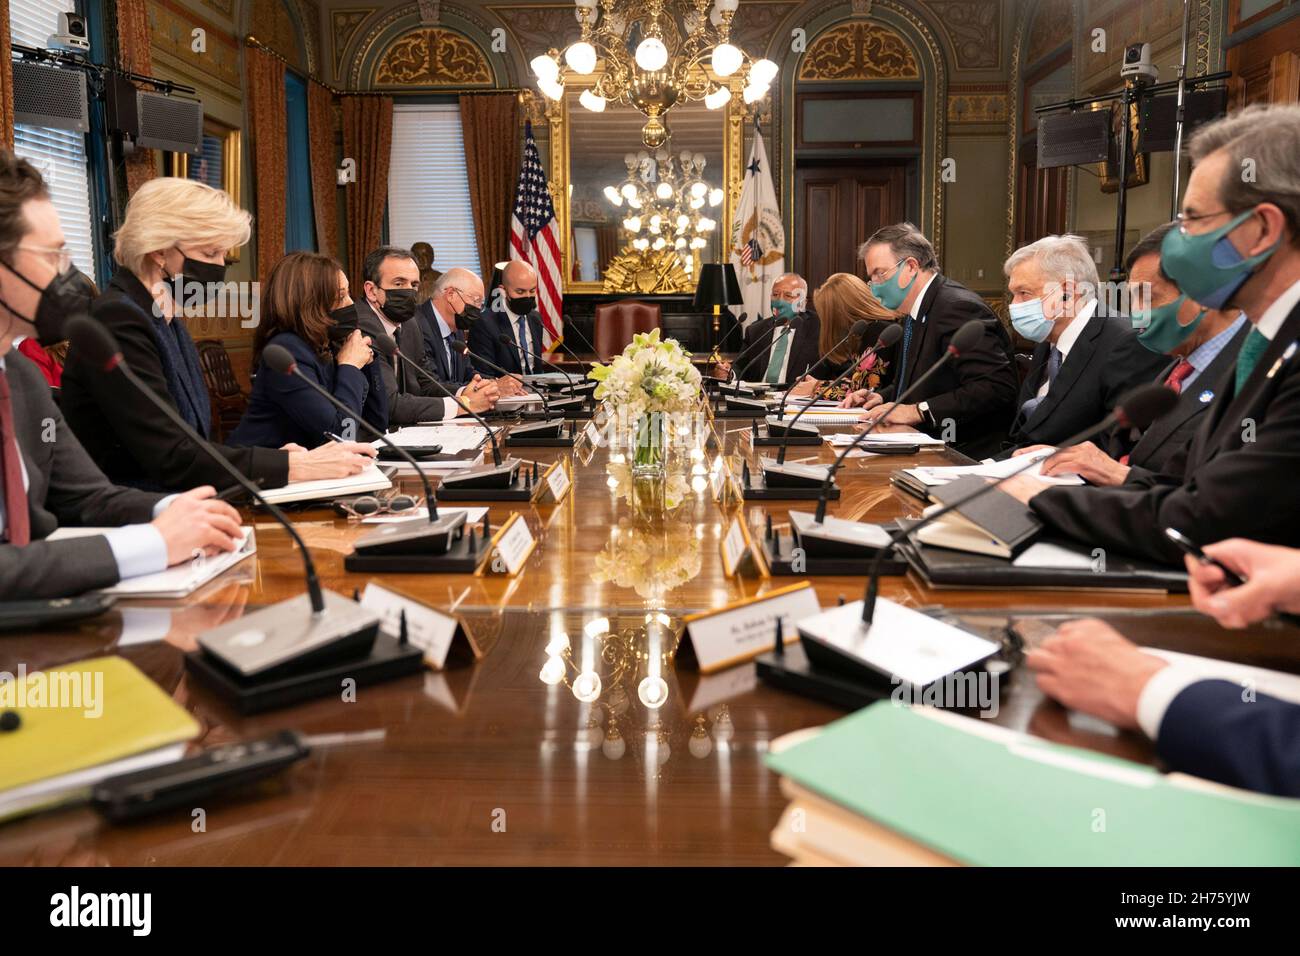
column 617, row 322
column 228, row 399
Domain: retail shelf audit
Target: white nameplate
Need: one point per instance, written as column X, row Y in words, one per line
column 742, row 631
column 592, row 434
column 427, row 628
column 738, row 551
column 511, row 545
column 553, row 486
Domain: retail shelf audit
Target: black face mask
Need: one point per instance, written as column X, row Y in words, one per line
column 345, row 323
column 68, row 294
column 521, row 305
column 203, row 276
column 467, row 316
column 399, row 304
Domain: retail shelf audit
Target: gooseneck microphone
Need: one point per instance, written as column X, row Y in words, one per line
column 280, row 359
column 93, row 340
column 509, row 342
column 1138, row 409
column 961, row 342
column 464, row 349
column 856, row 331
column 570, row 327
column 387, row 347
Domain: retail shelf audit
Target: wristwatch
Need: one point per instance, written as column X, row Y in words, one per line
column 924, row 409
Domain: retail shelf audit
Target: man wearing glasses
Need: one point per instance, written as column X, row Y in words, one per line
column 456, row 303
column 1235, row 247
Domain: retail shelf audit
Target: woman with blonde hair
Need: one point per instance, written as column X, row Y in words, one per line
column 171, row 256
column 840, row 301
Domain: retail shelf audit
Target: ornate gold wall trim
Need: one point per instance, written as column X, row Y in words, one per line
column 858, row 50
column 432, row 56
column 344, row 24
column 371, row 41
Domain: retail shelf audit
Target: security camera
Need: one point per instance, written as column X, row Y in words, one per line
column 73, row 35
column 1137, row 64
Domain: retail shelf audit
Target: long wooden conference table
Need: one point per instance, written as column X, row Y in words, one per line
column 487, row 764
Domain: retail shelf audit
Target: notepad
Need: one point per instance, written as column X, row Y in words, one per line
column 843, row 439
column 370, row 479
column 932, row 476
column 177, row 581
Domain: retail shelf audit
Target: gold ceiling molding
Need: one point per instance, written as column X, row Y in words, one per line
column 344, row 24
column 859, row 51
column 432, row 56
column 974, row 28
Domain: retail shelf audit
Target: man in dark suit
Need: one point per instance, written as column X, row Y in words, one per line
column 970, row 401
column 1206, row 726
column 786, row 356
column 456, row 304
column 1083, row 362
column 512, row 312
column 388, row 308
column 1199, row 345
column 1239, row 250
column 46, row 477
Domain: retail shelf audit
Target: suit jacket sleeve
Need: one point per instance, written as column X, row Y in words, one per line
column 53, row 569
column 480, row 341
column 1219, row 499
column 986, row 381
column 1210, row 731
column 170, row 459
column 303, row 406
column 1129, row 364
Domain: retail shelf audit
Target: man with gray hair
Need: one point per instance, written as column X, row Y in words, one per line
column 1083, row 362
column 787, row 355
column 1237, row 245
column 969, row 401
column 455, row 303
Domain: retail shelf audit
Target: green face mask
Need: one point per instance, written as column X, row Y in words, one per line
column 1207, row 267
column 1158, row 328
column 889, row 292
column 783, row 309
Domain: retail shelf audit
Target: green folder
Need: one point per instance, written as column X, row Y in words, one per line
column 988, row 796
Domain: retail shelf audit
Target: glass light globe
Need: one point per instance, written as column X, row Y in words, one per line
column 680, row 243
column 552, row 671
column 586, row 686
column 613, row 196
column 545, row 67
column 697, row 202
column 700, row 746
column 698, row 189
column 664, row 191
column 596, row 627
column 718, row 98
column 760, row 74
column 552, row 89
column 715, row 196
column 698, row 482
column 683, row 221
column 634, row 203
column 643, row 245
column 651, row 54
column 653, row 692
column 591, row 101
column 614, row 746
column 659, row 244
column 726, row 59
column 632, row 223
column 629, row 191
column 558, row 644
column 752, row 93
column 581, row 56
column 698, row 243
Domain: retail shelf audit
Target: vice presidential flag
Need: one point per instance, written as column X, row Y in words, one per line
column 757, row 236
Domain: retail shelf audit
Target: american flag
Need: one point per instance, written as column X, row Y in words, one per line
column 535, row 238
column 750, row 252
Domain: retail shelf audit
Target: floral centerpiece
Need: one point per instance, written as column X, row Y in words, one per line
column 651, row 382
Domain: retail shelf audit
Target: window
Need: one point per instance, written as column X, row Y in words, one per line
column 59, row 154
column 300, row 217
column 428, row 189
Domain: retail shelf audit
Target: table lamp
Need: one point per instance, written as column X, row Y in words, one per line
column 717, row 287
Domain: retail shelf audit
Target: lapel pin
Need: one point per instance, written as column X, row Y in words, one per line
column 1206, row 397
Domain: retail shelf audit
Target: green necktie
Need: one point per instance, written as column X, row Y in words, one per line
column 778, row 359
column 1248, row 357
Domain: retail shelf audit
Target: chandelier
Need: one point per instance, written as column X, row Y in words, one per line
column 655, row 54
column 667, row 198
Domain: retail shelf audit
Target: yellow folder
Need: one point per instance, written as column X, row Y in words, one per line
column 84, row 715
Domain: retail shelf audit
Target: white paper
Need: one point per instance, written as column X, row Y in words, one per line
column 1045, row 554
column 843, row 439
column 176, row 581
column 370, row 479
column 994, row 469
column 901, row 642
column 454, row 439
column 472, row 515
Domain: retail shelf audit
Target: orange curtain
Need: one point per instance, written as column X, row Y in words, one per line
column 490, row 122
column 368, row 141
column 269, row 125
column 324, row 164
column 134, row 55
column 6, row 82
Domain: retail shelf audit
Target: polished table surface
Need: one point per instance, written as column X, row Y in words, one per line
column 485, row 763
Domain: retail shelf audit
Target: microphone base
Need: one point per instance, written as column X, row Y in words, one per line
column 415, row 536
column 770, row 433
column 805, row 555
column 554, row 432
column 792, row 671
column 463, row 555
column 385, row 659
column 504, row 482
column 790, row 481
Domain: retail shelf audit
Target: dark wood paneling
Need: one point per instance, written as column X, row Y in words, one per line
column 837, row 207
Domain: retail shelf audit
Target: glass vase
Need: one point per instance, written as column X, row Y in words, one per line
column 649, row 445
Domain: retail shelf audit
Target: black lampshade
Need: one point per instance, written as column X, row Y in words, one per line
column 717, row 286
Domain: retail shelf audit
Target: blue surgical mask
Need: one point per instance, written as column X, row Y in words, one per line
column 1158, row 329
column 1207, row 267
column 889, row 292
column 1027, row 318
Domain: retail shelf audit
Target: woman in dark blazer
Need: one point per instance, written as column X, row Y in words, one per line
column 307, row 310
column 171, row 251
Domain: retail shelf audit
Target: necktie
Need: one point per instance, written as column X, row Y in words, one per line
column 448, row 345
column 1175, row 380
column 1053, row 366
column 526, row 362
column 902, row 361
column 778, row 358
column 1248, row 357
column 16, row 515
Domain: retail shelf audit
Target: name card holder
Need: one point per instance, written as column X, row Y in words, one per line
column 554, row 484
column 441, row 637
column 721, row 638
column 510, row 548
column 739, row 554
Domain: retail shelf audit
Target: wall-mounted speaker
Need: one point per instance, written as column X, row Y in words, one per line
column 50, row 96
column 155, row 120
